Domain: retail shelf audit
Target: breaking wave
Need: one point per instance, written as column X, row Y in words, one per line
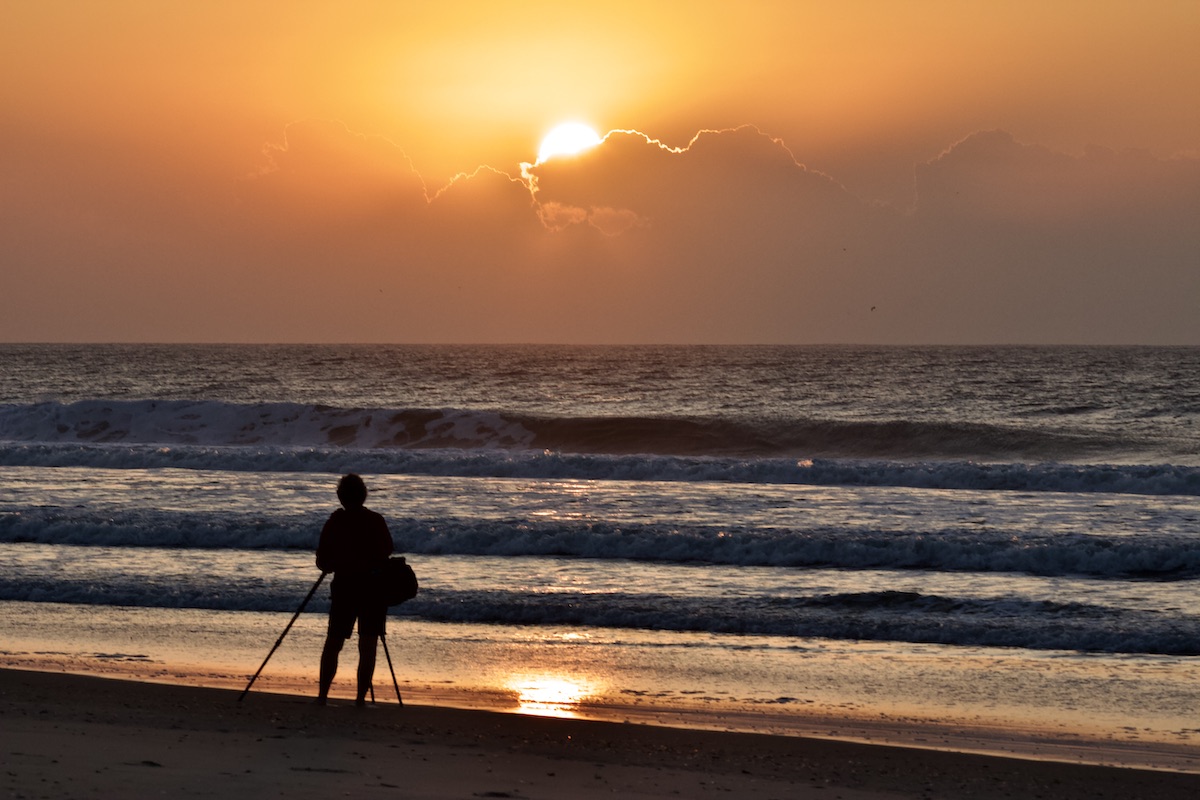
column 291, row 437
column 216, row 424
column 1147, row 556
column 871, row 616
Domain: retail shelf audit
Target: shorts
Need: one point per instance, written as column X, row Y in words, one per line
column 348, row 607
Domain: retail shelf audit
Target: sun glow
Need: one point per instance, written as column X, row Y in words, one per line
column 549, row 695
column 567, row 139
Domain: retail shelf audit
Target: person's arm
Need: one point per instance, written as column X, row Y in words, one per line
column 386, row 545
column 326, row 560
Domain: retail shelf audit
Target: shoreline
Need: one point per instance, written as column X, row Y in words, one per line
column 87, row 735
column 920, row 729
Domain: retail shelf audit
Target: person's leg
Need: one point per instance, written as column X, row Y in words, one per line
column 372, row 622
column 329, row 663
column 342, row 613
column 366, row 664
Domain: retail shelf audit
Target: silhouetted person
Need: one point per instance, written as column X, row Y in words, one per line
column 354, row 541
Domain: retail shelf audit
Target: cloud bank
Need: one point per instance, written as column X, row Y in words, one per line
column 334, row 236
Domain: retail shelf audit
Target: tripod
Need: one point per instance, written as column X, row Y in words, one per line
column 279, row 641
column 292, row 621
column 399, row 699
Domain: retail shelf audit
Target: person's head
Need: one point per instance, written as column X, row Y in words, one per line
column 351, row 491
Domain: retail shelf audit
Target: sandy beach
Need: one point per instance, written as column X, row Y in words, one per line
column 83, row 736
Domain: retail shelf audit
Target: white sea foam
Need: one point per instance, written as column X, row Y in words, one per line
column 497, row 461
column 1164, row 554
column 163, row 580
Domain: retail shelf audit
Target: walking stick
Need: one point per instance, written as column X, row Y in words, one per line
column 399, row 699
column 279, row 641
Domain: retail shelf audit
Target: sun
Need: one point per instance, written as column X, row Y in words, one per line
column 567, row 139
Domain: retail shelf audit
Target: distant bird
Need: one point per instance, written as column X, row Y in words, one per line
column 872, row 308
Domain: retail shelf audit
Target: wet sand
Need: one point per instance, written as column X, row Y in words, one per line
column 82, row 736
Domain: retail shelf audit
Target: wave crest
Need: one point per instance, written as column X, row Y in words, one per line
column 216, row 424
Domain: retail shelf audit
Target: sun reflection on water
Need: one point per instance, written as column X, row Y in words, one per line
column 549, row 695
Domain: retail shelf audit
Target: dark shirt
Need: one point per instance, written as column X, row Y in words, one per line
column 352, row 542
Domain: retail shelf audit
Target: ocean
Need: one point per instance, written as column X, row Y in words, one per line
column 760, row 538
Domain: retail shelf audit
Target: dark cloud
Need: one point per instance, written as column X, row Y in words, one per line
column 740, row 177
column 993, row 178
column 324, row 175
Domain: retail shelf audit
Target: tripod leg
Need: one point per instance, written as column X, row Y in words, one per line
column 279, row 641
column 399, row 699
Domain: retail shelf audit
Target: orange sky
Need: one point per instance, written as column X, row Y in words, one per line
column 260, row 171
